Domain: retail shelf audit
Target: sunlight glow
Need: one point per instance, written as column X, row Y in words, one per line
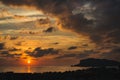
column 29, row 61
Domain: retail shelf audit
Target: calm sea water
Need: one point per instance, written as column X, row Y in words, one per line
column 31, row 69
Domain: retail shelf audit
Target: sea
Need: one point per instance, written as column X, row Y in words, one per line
column 40, row 69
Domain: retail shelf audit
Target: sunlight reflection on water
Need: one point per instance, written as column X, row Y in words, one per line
column 31, row 69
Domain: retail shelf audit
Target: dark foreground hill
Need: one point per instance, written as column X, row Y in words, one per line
column 91, row 62
column 89, row 74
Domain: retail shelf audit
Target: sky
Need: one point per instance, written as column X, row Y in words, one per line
column 54, row 32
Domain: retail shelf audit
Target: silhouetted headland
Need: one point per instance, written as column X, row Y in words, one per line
column 91, row 62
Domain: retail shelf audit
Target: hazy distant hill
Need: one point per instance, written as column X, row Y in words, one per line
column 91, row 62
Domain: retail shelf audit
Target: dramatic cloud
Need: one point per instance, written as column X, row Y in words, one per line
column 38, row 52
column 97, row 19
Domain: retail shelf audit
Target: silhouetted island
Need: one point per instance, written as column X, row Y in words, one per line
column 91, row 62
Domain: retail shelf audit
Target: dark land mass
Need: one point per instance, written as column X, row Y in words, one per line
column 91, row 62
column 89, row 74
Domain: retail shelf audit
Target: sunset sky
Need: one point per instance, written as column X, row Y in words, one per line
column 58, row 32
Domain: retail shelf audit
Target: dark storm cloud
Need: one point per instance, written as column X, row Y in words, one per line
column 38, row 52
column 107, row 21
column 103, row 24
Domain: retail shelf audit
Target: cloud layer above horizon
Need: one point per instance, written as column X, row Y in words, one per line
column 96, row 20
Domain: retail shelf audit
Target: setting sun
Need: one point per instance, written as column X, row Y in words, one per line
column 28, row 61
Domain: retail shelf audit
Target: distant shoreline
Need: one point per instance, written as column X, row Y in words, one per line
column 40, row 69
column 88, row 74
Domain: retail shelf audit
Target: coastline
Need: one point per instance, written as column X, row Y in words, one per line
column 88, row 74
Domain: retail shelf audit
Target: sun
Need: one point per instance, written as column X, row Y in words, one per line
column 29, row 61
